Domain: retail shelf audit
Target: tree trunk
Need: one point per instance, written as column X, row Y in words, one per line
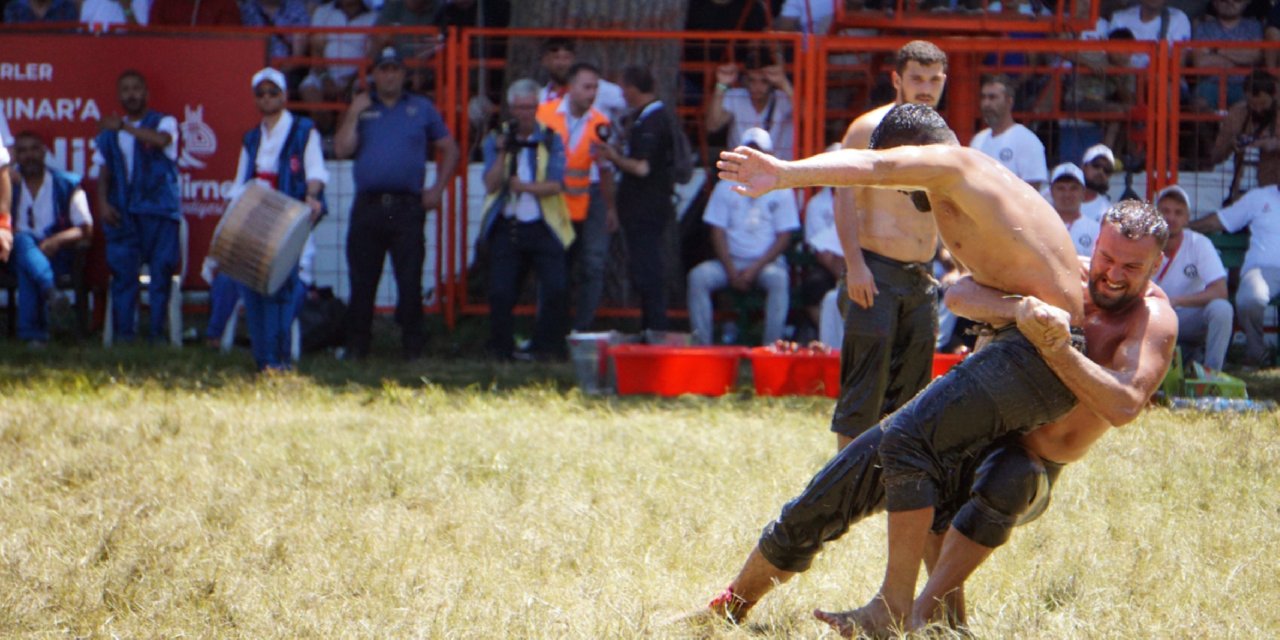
column 610, row 54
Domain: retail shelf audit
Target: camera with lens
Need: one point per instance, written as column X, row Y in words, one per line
column 508, row 137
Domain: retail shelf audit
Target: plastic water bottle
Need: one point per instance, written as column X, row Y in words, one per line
column 729, row 333
column 1215, row 404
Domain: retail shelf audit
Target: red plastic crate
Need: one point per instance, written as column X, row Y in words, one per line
column 942, row 362
column 795, row 374
column 673, row 371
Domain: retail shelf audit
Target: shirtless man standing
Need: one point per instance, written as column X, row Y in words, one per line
column 1011, row 240
column 1130, row 330
column 887, row 352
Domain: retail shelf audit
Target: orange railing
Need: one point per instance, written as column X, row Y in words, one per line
column 834, row 79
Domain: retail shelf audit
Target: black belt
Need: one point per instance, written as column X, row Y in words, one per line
column 388, row 198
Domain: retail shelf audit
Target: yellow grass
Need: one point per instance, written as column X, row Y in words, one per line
column 291, row 509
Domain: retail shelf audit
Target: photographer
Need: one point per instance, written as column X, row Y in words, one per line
column 1251, row 124
column 526, row 224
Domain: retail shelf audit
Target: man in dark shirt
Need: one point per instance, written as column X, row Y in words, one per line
column 645, row 205
column 389, row 132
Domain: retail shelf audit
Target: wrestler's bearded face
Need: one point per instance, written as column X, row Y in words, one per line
column 1121, row 268
column 920, row 84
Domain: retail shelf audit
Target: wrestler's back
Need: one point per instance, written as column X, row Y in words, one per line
column 1008, row 236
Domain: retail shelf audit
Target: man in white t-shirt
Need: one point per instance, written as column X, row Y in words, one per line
column 1014, row 145
column 763, row 102
column 558, row 56
column 1259, row 210
column 1066, row 192
column 749, row 236
column 6, row 197
column 104, row 13
column 813, row 17
column 1098, row 164
column 1195, row 281
column 1152, row 20
column 820, row 287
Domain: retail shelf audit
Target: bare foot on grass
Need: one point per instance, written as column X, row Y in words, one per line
column 873, row 619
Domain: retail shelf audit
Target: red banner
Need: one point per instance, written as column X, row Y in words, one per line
column 59, row 86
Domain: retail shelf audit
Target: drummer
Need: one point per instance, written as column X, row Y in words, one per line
column 283, row 153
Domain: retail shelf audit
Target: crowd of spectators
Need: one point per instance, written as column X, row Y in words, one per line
column 553, row 158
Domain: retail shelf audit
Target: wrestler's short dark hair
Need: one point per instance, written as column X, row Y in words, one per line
column 911, row 124
column 579, row 67
column 921, row 52
column 639, row 77
column 1136, row 219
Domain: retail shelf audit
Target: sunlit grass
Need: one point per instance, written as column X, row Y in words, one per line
column 445, row 499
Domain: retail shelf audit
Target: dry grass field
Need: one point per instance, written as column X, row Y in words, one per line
column 144, row 495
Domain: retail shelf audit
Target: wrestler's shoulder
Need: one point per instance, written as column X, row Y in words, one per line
column 859, row 132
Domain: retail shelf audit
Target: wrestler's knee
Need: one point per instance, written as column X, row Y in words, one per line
column 1006, row 487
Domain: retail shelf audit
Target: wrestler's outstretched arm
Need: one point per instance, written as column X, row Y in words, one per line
column 930, row 167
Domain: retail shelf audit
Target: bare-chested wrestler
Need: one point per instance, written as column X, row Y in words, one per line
column 886, row 355
column 1010, row 240
column 1130, row 330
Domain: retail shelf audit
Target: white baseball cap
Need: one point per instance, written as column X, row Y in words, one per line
column 269, row 75
column 1099, row 151
column 759, row 138
column 1066, row 170
column 1173, row 190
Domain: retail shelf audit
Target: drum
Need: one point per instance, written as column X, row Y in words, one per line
column 260, row 238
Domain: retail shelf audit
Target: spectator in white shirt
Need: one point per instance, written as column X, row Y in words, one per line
column 332, row 83
column 104, row 13
column 558, row 56
column 764, row 102
column 1014, row 145
column 749, row 236
column 1195, row 281
column 1098, row 164
column 1067, row 192
column 1152, row 20
column 1259, row 210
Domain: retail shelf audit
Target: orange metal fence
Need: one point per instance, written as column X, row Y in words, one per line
column 834, row 79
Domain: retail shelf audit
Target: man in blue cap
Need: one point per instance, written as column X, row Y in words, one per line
column 388, row 132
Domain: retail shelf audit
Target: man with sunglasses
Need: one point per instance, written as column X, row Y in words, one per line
column 1098, row 164
column 283, row 153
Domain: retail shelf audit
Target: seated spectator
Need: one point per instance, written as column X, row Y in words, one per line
column 820, row 235
column 526, row 225
column 806, row 16
column 28, row 11
column 1259, row 211
column 333, row 83
column 1102, row 83
column 280, row 13
column 764, row 103
column 1195, row 281
column 1251, row 124
column 1098, row 164
column 749, row 236
column 50, row 217
column 104, row 13
column 1151, row 20
column 1224, row 22
column 191, row 13
column 1067, row 193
